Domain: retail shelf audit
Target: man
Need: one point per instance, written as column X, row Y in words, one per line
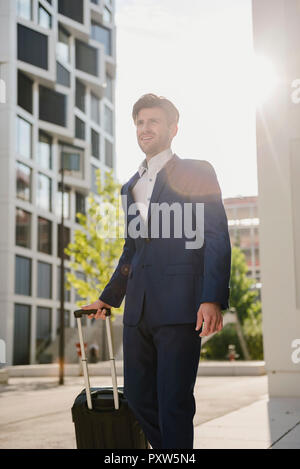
column 174, row 290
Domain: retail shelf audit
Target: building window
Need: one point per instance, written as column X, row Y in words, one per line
column 66, row 202
column 23, row 228
column 108, row 153
column 32, row 47
column 45, row 19
column 94, row 170
column 95, row 138
column 63, row 76
column 22, row 276
column 72, row 160
column 24, row 137
column 80, row 95
column 43, row 334
column 102, row 35
column 66, row 320
column 63, row 45
column 52, row 106
column 109, row 88
column 44, row 192
column 23, row 182
column 108, row 120
column 86, row 58
column 44, row 235
column 96, row 2
column 107, row 16
column 21, row 354
column 24, row 9
column 66, row 240
column 72, row 9
column 44, row 280
column 79, row 128
column 45, row 151
column 25, row 92
column 95, row 108
column 67, row 292
column 80, row 205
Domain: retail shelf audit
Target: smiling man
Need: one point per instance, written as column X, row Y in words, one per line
column 174, row 295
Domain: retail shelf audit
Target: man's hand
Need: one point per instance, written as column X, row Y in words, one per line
column 211, row 314
column 97, row 305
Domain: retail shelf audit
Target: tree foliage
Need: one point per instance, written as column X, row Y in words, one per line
column 97, row 245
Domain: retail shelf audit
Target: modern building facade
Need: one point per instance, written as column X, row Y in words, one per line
column 243, row 224
column 58, row 63
column 276, row 35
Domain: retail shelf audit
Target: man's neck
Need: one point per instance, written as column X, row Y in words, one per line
column 148, row 157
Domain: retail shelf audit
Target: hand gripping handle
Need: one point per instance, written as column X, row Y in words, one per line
column 78, row 315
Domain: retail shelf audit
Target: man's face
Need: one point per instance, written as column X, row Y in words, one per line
column 154, row 134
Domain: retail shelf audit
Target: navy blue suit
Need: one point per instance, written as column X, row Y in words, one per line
column 164, row 284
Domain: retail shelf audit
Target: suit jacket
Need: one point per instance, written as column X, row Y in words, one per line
column 175, row 280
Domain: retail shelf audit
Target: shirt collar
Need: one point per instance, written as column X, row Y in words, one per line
column 156, row 163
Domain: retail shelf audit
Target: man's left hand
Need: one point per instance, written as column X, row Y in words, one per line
column 211, row 314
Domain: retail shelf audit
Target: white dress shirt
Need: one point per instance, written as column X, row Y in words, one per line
column 142, row 190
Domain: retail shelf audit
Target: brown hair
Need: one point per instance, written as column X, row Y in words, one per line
column 152, row 100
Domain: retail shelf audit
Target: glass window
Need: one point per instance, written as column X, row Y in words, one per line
column 80, row 95
column 66, row 240
column 95, row 1
column 43, row 334
column 63, row 45
column 67, row 292
column 79, row 128
column 23, row 276
column 32, row 47
column 23, row 182
column 66, row 320
column 44, row 192
column 45, row 151
column 52, row 106
column 108, row 153
column 44, row 280
column 66, row 202
column 24, row 9
column 80, row 204
column 21, row 353
column 108, row 120
column 72, row 9
column 86, row 58
column 109, row 88
column 95, row 138
column 107, row 16
column 63, row 76
column 25, row 92
column 95, row 108
column 23, row 228
column 44, row 235
column 102, row 35
column 94, row 188
column 45, row 19
column 24, row 139
column 72, row 160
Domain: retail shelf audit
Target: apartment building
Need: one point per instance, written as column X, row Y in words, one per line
column 58, row 63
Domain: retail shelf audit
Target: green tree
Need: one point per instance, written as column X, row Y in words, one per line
column 98, row 244
column 244, row 298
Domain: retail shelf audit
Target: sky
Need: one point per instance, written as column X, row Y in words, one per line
column 198, row 54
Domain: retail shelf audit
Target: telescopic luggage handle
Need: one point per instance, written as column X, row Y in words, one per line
column 78, row 315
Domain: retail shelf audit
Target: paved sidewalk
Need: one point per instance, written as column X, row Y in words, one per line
column 36, row 412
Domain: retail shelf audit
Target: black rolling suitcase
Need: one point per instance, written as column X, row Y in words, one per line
column 101, row 416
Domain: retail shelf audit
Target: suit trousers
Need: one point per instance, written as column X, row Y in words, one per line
column 160, row 369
